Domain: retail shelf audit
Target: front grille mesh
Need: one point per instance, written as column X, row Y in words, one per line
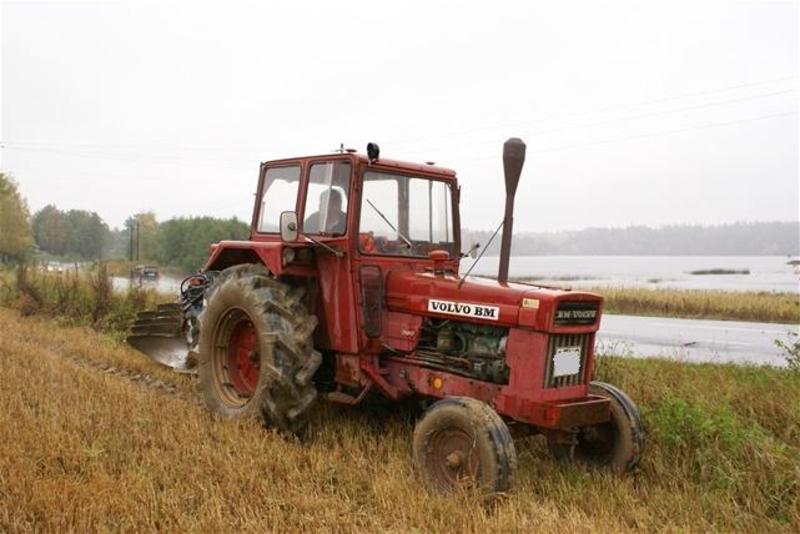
column 561, row 341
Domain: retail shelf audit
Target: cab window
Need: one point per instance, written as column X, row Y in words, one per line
column 405, row 216
column 278, row 195
column 327, row 199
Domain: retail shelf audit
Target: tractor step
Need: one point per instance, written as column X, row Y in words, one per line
column 340, row 398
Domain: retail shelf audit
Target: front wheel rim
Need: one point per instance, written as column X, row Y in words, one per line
column 451, row 458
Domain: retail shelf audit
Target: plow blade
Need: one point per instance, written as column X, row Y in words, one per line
column 159, row 334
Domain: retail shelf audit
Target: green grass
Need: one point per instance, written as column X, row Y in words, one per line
column 76, row 297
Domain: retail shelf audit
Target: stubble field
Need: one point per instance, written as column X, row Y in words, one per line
column 96, row 438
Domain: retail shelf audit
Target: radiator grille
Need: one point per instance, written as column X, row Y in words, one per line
column 561, row 342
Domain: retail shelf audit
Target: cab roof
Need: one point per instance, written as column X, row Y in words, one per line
column 422, row 168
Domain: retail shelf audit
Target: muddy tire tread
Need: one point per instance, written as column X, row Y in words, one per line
column 285, row 394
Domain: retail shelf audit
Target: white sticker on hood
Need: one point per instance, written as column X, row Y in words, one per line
column 478, row 311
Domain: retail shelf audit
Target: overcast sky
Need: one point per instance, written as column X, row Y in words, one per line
column 634, row 112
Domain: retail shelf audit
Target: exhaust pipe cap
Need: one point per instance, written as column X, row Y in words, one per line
column 513, row 158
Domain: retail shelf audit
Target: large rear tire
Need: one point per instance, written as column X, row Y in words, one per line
column 462, row 442
column 256, row 354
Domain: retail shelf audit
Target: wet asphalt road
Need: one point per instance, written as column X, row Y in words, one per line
column 694, row 340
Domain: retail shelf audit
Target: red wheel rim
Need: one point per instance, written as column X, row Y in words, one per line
column 236, row 361
column 243, row 360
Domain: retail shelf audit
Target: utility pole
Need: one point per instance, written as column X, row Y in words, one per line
column 130, row 242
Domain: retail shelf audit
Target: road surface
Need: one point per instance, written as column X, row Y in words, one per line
column 694, row 340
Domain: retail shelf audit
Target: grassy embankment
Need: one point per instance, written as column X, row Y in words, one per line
column 762, row 306
column 96, row 437
column 707, row 304
column 76, row 298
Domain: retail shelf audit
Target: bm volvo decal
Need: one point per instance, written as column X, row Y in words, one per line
column 479, row 311
column 576, row 313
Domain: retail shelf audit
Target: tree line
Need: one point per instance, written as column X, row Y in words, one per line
column 79, row 235
column 73, row 233
column 182, row 242
column 16, row 239
column 736, row 239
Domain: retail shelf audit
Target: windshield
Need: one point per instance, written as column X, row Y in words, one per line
column 405, row 215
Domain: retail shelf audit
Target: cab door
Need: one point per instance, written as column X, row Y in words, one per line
column 325, row 216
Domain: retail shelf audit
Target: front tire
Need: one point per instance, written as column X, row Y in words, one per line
column 617, row 444
column 462, row 442
column 256, row 355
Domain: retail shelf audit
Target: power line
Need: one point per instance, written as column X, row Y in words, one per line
column 174, row 148
column 64, row 149
column 549, row 149
column 647, row 135
column 595, row 111
column 240, row 148
column 139, row 158
column 620, row 119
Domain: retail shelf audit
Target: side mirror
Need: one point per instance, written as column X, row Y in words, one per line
column 288, row 226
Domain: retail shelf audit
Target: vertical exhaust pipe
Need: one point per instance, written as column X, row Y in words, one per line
column 513, row 158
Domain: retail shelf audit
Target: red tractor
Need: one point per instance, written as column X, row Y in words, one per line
column 350, row 285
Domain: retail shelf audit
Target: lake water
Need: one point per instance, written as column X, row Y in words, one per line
column 165, row 284
column 767, row 273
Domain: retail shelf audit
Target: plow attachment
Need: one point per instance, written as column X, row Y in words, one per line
column 161, row 335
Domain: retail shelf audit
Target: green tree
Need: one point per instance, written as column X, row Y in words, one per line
column 87, row 234
column 183, row 242
column 118, row 245
column 145, row 235
column 50, row 230
column 16, row 239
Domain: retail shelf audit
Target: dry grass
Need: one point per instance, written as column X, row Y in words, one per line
column 87, row 450
column 76, row 298
column 699, row 304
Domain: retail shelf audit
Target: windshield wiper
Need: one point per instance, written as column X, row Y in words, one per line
column 404, row 238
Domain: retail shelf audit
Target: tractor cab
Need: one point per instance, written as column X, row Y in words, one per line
column 360, row 206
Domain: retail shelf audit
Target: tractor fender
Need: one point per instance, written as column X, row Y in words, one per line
column 270, row 254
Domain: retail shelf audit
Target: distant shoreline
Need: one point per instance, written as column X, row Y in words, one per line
column 736, row 239
column 788, row 257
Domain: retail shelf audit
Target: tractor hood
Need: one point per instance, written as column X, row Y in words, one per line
column 485, row 301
